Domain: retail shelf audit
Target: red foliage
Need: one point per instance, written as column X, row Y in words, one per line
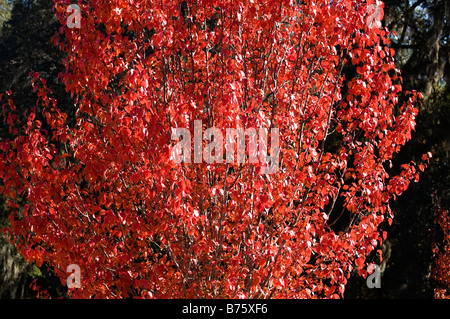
column 109, row 198
column 441, row 252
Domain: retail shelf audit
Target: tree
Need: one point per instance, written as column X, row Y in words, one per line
column 422, row 41
column 441, row 254
column 108, row 196
column 421, row 46
column 5, row 11
column 25, row 44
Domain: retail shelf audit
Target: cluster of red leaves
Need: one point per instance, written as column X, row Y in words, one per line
column 441, row 253
column 109, row 198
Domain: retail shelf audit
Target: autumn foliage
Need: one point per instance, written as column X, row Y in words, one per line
column 441, row 253
column 105, row 194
